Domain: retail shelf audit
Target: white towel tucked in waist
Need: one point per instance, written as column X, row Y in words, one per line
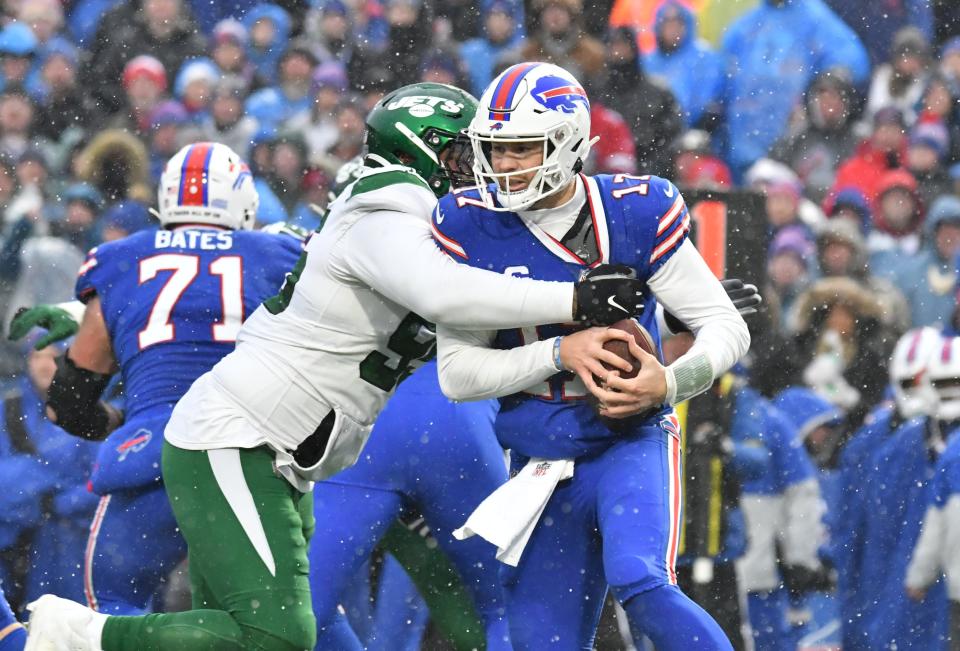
column 509, row 514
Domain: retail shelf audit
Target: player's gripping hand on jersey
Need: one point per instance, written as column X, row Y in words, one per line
column 608, row 293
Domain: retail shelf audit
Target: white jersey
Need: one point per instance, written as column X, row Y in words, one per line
column 341, row 335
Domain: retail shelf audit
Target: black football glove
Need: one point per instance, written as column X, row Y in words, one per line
column 745, row 298
column 608, row 293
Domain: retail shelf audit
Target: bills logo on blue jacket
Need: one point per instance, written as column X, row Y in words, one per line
column 558, row 94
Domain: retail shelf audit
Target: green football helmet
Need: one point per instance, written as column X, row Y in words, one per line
column 420, row 126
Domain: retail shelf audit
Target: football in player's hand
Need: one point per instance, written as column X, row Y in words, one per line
column 620, row 349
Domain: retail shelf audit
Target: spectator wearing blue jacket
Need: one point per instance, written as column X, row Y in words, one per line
column 686, row 64
column 46, row 509
column 269, row 29
column 291, row 95
column 772, row 54
column 501, row 33
column 782, row 508
column 912, row 397
column 877, row 22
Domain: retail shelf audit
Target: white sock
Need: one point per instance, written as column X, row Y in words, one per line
column 95, row 630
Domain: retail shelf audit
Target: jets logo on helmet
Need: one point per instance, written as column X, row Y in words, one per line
column 537, row 103
column 557, row 94
column 207, row 183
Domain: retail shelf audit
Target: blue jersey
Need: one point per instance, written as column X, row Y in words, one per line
column 636, row 221
column 173, row 301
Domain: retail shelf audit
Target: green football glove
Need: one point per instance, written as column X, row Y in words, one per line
column 57, row 321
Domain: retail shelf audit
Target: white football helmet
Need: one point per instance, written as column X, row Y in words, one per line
column 207, row 183
column 944, row 372
column 909, row 375
column 534, row 103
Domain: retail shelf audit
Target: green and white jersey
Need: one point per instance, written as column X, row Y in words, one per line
column 344, row 330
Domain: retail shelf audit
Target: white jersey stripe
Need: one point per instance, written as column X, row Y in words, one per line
column 670, row 216
column 667, row 244
column 226, row 467
column 447, row 243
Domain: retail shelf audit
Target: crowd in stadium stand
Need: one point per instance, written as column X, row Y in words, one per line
column 842, row 114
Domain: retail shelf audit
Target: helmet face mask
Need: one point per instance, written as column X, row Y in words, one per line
column 531, row 103
column 420, row 126
column 207, row 183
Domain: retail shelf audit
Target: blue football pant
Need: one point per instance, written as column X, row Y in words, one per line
column 134, row 544
column 616, row 523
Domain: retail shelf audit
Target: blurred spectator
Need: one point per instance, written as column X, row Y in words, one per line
column 331, row 31
column 314, row 190
column 897, row 221
column 144, row 86
column 500, row 34
column 766, row 173
column 825, row 138
column 407, row 40
column 842, row 253
column 926, row 150
column 18, row 47
column 162, row 29
column 697, row 167
column 692, row 70
column 228, row 49
column 649, row 109
column 226, row 122
column 63, row 103
column 851, row 205
column 557, row 36
column 288, row 166
column 269, row 28
column 773, row 53
column 260, row 160
column 194, row 87
column 8, row 184
column 950, row 64
column 275, row 105
column 47, row 509
column 123, row 219
column 939, row 104
column 842, row 343
column 45, row 20
column 614, row 153
column 929, row 278
column 166, row 120
column 885, row 149
column 901, row 81
column 208, row 13
column 782, row 205
column 444, row 66
column 877, row 22
column 16, row 121
column 117, row 164
column 791, row 266
column 349, row 118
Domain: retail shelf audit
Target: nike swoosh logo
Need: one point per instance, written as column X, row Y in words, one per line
column 614, row 303
column 669, row 191
column 439, row 217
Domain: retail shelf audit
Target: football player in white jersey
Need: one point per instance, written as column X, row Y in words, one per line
column 313, row 366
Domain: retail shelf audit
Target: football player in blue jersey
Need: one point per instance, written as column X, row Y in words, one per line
column 162, row 307
column 13, row 636
column 596, row 501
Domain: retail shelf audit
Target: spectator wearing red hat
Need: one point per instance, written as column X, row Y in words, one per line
column 615, row 152
column 697, row 167
column 884, row 150
column 144, row 86
column 897, row 223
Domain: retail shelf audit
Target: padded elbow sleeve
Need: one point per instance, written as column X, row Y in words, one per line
column 74, row 396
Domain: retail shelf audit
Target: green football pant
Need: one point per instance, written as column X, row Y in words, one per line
column 247, row 531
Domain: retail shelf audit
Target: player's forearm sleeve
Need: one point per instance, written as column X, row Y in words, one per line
column 394, row 253
column 688, row 289
column 470, row 370
column 924, row 567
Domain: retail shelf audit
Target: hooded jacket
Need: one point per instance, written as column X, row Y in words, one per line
column 693, row 71
column 773, row 52
column 265, row 61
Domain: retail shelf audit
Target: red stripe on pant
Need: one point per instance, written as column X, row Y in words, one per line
column 88, row 591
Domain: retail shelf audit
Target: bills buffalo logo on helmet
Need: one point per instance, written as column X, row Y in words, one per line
column 558, row 94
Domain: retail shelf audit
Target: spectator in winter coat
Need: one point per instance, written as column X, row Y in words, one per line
column 850, row 204
column 876, row 23
column 929, row 281
column 500, row 34
column 614, row 153
column 885, row 149
column 901, row 81
column 228, row 49
column 163, row 30
column 897, row 223
column 648, row 107
column 927, row 149
column 227, row 123
column 815, row 150
column 791, row 265
column 275, row 105
column 269, row 28
column 18, row 49
column 166, row 121
column 557, row 36
column 62, row 103
column 773, row 52
column 144, row 87
column 687, row 65
column 194, row 86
